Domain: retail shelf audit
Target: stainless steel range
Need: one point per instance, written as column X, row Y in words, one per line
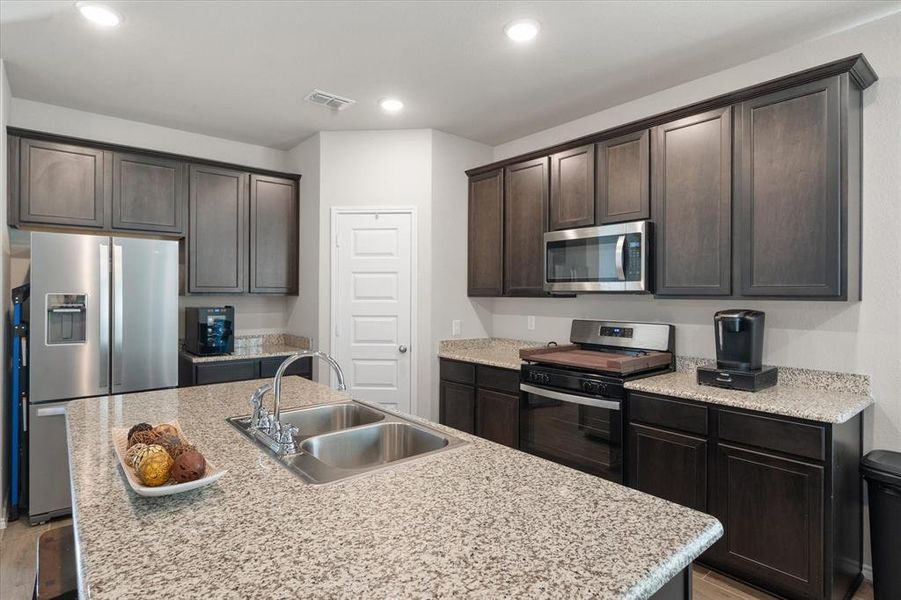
column 572, row 402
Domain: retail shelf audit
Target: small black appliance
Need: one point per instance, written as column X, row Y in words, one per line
column 739, row 352
column 210, row 330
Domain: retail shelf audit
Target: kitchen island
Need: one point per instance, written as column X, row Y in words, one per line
column 478, row 520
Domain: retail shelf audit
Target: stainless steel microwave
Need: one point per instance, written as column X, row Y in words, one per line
column 609, row 258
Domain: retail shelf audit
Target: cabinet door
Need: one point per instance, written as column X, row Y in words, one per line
column 572, row 188
column 61, row 184
column 273, row 235
column 525, row 221
column 486, row 234
column 457, row 406
column 772, row 511
column 789, row 192
column 624, row 178
column 148, row 193
column 225, row 371
column 669, row 465
column 302, row 367
column 217, row 236
column 497, row 417
column 691, row 187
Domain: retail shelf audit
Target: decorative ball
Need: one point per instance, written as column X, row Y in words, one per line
column 144, row 452
column 181, row 449
column 166, row 428
column 139, row 427
column 169, row 442
column 143, row 437
column 134, row 454
column 190, row 466
column 154, row 468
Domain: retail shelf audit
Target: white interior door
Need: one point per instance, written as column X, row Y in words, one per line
column 372, row 301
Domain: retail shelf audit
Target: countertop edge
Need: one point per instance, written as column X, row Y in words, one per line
column 680, row 561
column 501, row 364
column 708, row 395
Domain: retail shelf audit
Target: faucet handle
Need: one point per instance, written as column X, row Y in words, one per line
column 263, row 422
column 286, row 439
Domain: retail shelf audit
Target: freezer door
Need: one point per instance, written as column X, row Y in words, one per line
column 144, row 314
column 48, row 462
column 69, row 314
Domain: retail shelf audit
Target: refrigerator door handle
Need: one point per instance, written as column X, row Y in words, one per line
column 103, row 302
column 117, row 314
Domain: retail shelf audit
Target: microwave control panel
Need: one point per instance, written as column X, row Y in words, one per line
column 633, row 257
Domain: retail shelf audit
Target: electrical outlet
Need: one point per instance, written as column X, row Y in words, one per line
column 455, row 327
column 530, row 322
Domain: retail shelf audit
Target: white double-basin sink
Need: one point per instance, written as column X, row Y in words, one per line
column 338, row 441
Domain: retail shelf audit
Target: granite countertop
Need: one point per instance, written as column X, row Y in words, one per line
column 268, row 345
column 494, row 352
column 822, row 396
column 480, row 520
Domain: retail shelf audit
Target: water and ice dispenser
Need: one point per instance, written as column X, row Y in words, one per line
column 66, row 318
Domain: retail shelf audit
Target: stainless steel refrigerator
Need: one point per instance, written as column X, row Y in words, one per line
column 103, row 320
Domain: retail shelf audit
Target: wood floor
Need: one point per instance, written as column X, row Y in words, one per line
column 18, row 548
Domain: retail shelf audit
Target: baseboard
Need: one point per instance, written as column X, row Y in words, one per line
column 867, row 570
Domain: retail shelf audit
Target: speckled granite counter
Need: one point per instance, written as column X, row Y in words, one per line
column 801, row 393
column 277, row 345
column 494, row 352
column 480, row 520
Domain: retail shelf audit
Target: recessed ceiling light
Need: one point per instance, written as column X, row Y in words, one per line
column 522, row 30
column 392, row 105
column 100, row 14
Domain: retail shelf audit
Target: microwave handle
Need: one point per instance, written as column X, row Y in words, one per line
column 620, row 246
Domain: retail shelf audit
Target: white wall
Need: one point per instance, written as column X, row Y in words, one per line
column 859, row 337
column 387, row 169
column 5, row 98
column 451, row 156
column 303, row 311
column 253, row 314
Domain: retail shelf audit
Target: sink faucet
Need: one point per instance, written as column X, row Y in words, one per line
column 270, row 423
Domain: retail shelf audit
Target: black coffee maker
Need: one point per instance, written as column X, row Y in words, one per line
column 739, row 352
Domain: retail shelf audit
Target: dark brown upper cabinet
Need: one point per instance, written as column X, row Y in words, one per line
column 792, row 227
column 525, row 221
column 691, row 187
column 217, row 233
column 274, row 227
column 623, row 178
column 486, row 234
column 61, row 184
column 149, row 193
column 572, row 188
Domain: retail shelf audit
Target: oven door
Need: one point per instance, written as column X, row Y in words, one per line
column 610, row 258
column 582, row 432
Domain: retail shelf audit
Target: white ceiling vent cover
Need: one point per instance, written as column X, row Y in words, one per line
column 329, row 100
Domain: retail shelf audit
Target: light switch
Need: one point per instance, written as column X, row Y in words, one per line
column 455, row 327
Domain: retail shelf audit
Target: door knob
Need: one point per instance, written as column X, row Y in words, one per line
column 402, row 349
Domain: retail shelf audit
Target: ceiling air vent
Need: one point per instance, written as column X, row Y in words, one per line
column 329, row 100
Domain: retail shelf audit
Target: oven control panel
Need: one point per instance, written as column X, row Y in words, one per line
column 536, row 377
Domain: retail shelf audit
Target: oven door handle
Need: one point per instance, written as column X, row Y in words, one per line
column 563, row 397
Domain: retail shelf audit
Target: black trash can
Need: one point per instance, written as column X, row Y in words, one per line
column 882, row 470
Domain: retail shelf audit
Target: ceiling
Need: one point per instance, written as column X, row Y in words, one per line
column 239, row 70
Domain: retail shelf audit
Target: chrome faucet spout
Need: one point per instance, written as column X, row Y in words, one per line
column 277, row 382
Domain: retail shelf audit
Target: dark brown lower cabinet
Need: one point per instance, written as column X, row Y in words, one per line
column 772, row 511
column 497, row 417
column 669, row 465
column 224, row 371
column 787, row 491
column 458, row 406
column 481, row 400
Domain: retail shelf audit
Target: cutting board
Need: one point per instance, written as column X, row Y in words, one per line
column 611, row 362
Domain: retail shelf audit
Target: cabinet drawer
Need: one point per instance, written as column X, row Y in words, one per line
column 790, row 437
column 454, row 370
column 671, row 414
column 302, row 367
column 503, row 380
column 233, row 370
